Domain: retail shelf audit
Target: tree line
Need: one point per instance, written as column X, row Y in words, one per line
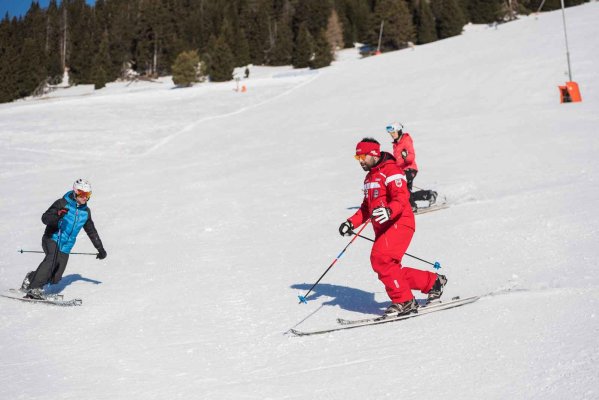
column 100, row 43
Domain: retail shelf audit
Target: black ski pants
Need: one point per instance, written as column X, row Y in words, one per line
column 419, row 195
column 52, row 267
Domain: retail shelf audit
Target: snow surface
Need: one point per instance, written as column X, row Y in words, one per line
column 217, row 208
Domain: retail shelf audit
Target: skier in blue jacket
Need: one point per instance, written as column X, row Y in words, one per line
column 64, row 219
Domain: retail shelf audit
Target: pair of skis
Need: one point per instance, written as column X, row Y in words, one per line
column 344, row 324
column 51, row 299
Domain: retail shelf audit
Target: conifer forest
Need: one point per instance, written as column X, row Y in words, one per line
column 114, row 39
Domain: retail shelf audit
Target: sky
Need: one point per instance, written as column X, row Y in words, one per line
column 19, row 7
column 218, row 207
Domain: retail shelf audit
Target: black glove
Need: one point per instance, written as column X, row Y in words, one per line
column 101, row 254
column 61, row 213
column 346, row 228
column 381, row 215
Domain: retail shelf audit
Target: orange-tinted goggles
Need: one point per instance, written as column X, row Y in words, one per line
column 83, row 194
column 360, row 157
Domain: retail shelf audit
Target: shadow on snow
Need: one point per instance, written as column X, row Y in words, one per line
column 67, row 280
column 347, row 298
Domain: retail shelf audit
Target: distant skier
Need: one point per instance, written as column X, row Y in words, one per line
column 403, row 150
column 64, row 219
column 386, row 202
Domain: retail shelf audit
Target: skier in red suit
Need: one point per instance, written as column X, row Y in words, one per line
column 403, row 150
column 386, row 202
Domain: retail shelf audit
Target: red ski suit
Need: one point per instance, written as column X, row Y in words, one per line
column 406, row 144
column 385, row 186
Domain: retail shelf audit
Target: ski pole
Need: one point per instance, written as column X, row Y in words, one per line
column 302, row 299
column 435, row 265
column 38, row 251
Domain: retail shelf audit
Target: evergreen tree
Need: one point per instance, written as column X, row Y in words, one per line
column 549, row 5
column 242, row 54
column 354, row 17
column 185, row 69
column 34, row 24
column 31, row 71
column 8, row 53
column 82, row 44
column 323, row 55
column 221, row 61
column 303, row 49
column 150, row 41
column 235, row 37
column 314, row 14
column 236, row 41
column 484, row 11
column 424, row 22
column 449, row 17
column 255, row 21
column 101, row 64
column 281, row 51
column 53, row 41
column 398, row 28
column 120, row 34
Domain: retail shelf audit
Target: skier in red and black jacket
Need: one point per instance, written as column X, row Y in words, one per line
column 386, row 202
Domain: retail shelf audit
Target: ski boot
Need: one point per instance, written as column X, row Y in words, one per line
column 437, row 290
column 432, row 198
column 26, row 282
column 397, row 309
column 35, row 294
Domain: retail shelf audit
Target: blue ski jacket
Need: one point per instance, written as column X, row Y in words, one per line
column 64, row 230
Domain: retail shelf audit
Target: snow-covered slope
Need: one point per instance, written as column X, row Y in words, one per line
column 218, row 208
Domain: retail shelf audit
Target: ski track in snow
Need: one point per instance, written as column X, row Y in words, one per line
column 193, row 125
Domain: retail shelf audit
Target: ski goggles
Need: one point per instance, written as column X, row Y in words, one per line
column 360, row 157
column 391, row 129
column 83, row 194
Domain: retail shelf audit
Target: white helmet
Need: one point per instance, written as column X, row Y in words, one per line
column 82, row 185
column 395, row 127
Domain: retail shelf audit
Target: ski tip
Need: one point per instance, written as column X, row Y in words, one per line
column 302, row 299
column 437, row 265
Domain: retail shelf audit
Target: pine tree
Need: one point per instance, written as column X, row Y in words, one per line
column 323, row 55
column 314, row 14
column 185, row 69
column 255, row 21
column 82, row 45
column 450, row 18
column 484, row 11
column 242, row 54
column 8, row 53
column 149, row 38
column 398, row 28
column 355, row 18
column 281, row 51
column 120, row 34
column 549, row 5
column 101, row 64
column 303, row 49
column 53, row 41
column 31, row 70
column 424, row 22
column 221, row 61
